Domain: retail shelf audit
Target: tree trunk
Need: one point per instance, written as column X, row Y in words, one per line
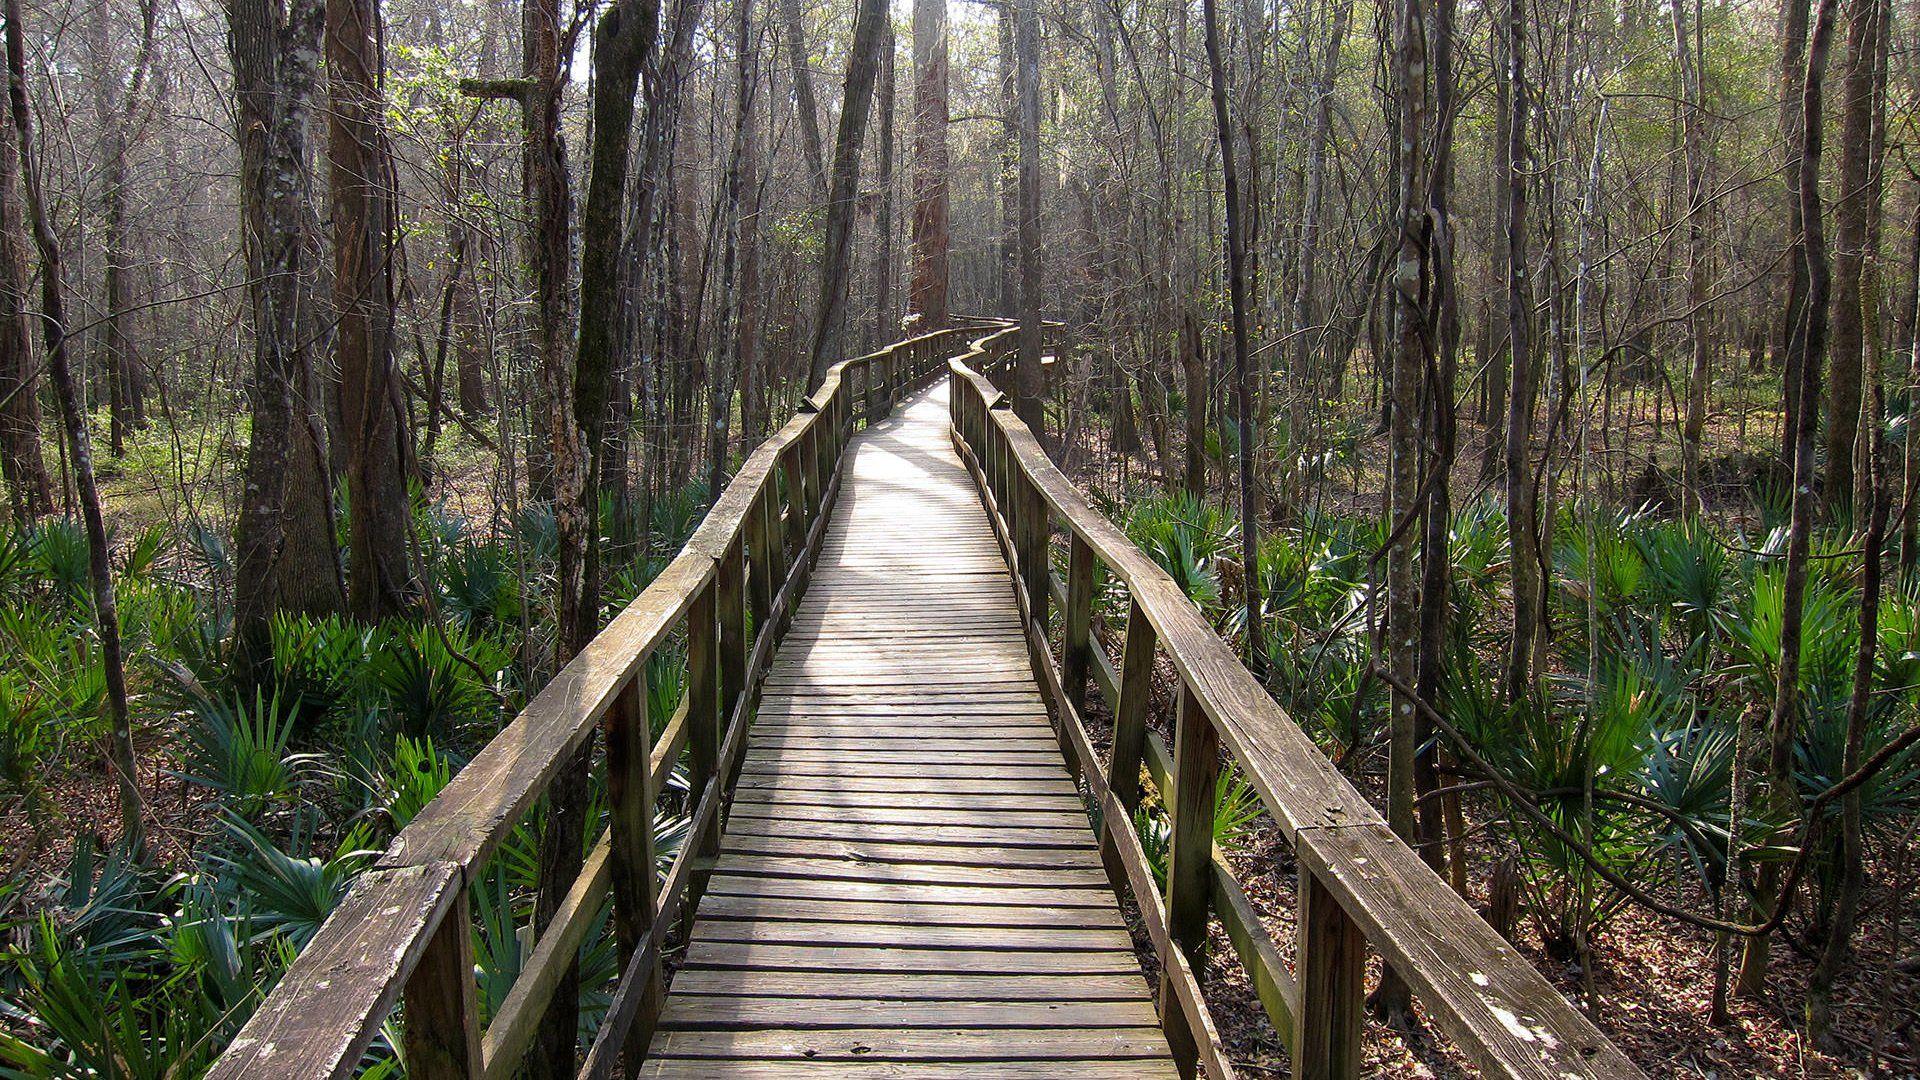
column 1193, row 369
column 1810, row 345
column 1236, row 243
column 927, row 301
column 863, row 64
column 113, row 116
column 793, row 34
column 53, row 319
column 276, row 58
column 886, row 321
column 23, row 462
column 1409, row 68
column 1522, row 490
column 1699, row 319
column 1850, row 209
column 1793, row 73
column 1007, row 141
column 727, row 365
column 1029, row 378
column 358, row 189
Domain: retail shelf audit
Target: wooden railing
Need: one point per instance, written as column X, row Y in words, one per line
column 404, row 932
column 1358, row 884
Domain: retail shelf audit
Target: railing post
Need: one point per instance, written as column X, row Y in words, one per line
column 1076, row 620
column 1331, row 967
column 808, row 475
column 1036, row 527
column 630, row 797
column 1129, row 730
column 1196, row 771
column 811, row 460
column 761, row 586
column 730, row 597
column 442, row 1039
column 796, row 515
column 703, row 724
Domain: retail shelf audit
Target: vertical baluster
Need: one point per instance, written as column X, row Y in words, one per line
column 809, row 476
column 443, row 1019
column 1332, row 969
column 760, row 581
column 1196, row 768
column 1130, row 712
column 630, row 798
column 1036, row 528
column 1076, row 646
column 703, row 724
column 730, row 598
column 796, row 515
column 816, row 476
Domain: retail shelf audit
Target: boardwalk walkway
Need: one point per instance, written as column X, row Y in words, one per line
column 908, row 885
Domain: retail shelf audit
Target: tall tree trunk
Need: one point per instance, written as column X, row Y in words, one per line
column 750, row 361
column 275, row 50
column 1439, row 418
column 1306, row 302
column 1793, row 73
column 1852, row 846
column 1522, row 490
column 358, row 189
column 1850, row 210
column 1007, row 143
column 1403, row 418
column 22, row 461
column 53, row 321
column 1783, row 721
column 623, row 43
column 1193, row 369
column 728, row 364
column 1699, row 318
column 886, row 320
column 114, row 117
column 1236, row 243
column 806, row 106
column 927, row 300
column 863, row 64
column 1029, row 399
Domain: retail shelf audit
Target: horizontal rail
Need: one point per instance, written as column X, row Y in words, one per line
column 403, row 934
column 1359, row 885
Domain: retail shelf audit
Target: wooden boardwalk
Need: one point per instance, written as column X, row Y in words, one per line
column 908, row 885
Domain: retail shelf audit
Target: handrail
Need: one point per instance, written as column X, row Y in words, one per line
column 1358, row 885
column 405, row 928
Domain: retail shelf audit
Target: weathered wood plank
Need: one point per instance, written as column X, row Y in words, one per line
column 749, row 1012
column 914, row 1044
column 333, row 999
column 1053, row 1069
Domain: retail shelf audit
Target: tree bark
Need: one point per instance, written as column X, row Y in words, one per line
column 863, row 64
column 1522, row 491
column 275, row 49
column 1236, row 242
column 1699, row 318
column 806, row 106
column 22, row 460
column 361, row 204
column 1029, row 380
column 1810, row 345
column 932, row 235
column 886, row 321
column 1850, row 211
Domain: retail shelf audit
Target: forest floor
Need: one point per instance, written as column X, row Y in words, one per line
column 1653, row 979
